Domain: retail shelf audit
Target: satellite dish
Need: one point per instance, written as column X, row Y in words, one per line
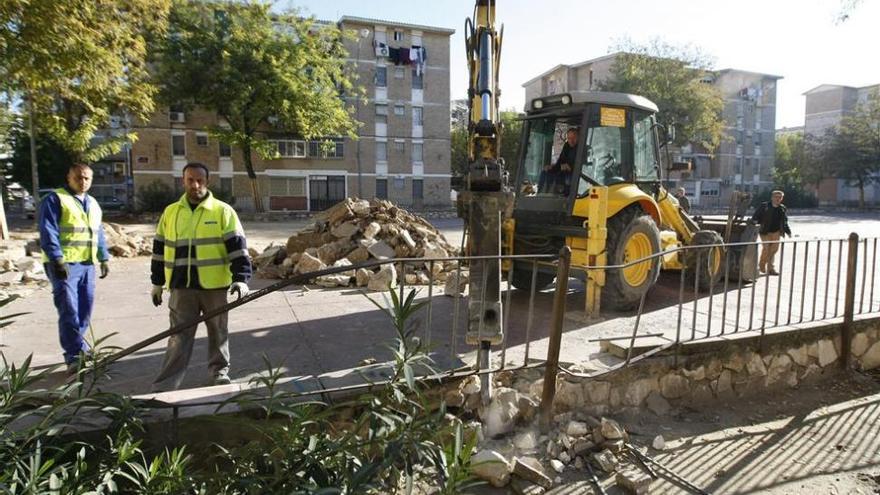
column 365, row 32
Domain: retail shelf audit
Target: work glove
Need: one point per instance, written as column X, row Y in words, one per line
column 156, row 293
column 240, row 288
column 59, row 267
column 105, row 269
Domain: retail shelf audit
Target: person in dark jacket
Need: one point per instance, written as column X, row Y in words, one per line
column 772, row 218
column 681, row 196
column 556, row 177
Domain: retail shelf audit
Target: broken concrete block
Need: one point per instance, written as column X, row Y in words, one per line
column 407, row 239
column 344, row 230
column 499, row 417
column 330, row 281
column 308, row 263
column 371, row 230
column 358, row 255
column 659, row 443
column 634, row 480
column 434, row 251
column 564, row 457
column 455, row 286
column 606, row 460
column 526, row 441
column 360, row 207
column 611, row 430
column 491, row 466
column 411, row 279
column 557, row 465
column 384, row 279
column 381, row 250
column 582, row 446
column 34, row 266
column 530, row 469
column 523, row 487
column 362, row 277
column 577, row 429
column 342, row 263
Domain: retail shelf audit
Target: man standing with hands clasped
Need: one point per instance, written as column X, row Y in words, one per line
column 72, row 240
column 773, row 219
column 199, row 253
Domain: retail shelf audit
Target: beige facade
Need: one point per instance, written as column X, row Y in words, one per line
column 743, row 161
column 402, row 153
column 826, row 105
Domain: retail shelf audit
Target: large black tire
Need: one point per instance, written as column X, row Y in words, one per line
column 711, row 259
column 522, row 279
column 627, row 230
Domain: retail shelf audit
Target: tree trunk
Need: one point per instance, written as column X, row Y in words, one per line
column 255, row 187
column 861, row 194
column 35, row 173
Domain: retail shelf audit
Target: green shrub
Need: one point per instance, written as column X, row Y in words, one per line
column 155, row 196
column 795, row 197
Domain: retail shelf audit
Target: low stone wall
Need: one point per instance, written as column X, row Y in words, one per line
column 719, row 369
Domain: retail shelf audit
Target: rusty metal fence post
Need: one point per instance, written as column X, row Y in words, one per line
column 850, row 300
column 552, row 365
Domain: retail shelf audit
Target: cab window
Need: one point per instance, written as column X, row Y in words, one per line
column 607, row 159
column 644, row 150
column 549, row 157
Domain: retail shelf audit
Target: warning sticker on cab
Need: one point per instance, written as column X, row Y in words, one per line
column 612, row 117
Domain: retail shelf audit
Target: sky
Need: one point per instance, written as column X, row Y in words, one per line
column 799, row 40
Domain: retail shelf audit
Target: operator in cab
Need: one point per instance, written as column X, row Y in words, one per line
column 556, row 177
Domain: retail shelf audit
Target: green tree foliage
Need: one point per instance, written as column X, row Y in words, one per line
column 53, row 163
column 510, row 138
column 675, row 79
column 77, row 63
column 851, row 150
column 790, row 173
column 260, row 71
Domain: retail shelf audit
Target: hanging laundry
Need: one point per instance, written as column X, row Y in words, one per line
column 394, row 55
column 417, row 54
column 405, row 57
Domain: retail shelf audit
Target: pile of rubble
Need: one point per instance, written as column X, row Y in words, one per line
column 20, row 262
column 354, row 231
column 125, row 244
column 515, row 453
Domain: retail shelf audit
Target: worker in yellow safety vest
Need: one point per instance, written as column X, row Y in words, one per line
column 199, row 253
column 72, row 241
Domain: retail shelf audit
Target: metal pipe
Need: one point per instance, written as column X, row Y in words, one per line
column 849, row 304
column 505, row 326
column 632, row 340
column 552, row 367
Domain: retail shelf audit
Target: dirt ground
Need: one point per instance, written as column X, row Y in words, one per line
column 820, row 438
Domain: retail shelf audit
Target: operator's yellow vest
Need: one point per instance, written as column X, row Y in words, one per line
column 206, row 227
column 78, row 230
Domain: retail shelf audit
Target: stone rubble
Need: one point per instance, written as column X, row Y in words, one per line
column 356, row 231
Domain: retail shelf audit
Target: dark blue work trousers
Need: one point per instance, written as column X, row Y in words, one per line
column 73, row 297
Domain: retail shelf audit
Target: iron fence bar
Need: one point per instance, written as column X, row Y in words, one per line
column 632, row 340
column 739, row 288
column 485, row 279
column 726, row 282
column 680, row 305
column 624, row 337
column 531, row 314
column 752, row 301
column 711, row 295
column 779, row 285
column 552, row 365
column 816, row 279
column 402, row 278
column 804, row 280
column 459, row 294
column 696, row 297
column 839, row 267
column 430, row 301
column 873, row 276
column 849, row 304
column 864, row 273
column 827, row 280
column 766, row 295
column 791, row 281
column 505, row 325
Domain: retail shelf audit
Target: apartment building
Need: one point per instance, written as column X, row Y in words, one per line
column 826, row 105
column 402, row 153
column 743, row 161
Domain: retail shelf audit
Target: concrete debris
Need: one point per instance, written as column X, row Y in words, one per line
column 634, row 480
column 564, row 457
column 526, row 441
column 456, row 286
column 490, row 466
column 557, row 465
column 523, row 487
column 611, row 430
column 530, row 469
column 124, row 244
column 384, row 279
column 358, row 231
column 577, row 429
column 582, row 446
column 606, row 460
column 499, row 417
column 659, row 443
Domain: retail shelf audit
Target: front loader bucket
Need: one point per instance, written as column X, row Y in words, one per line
column 743, row 260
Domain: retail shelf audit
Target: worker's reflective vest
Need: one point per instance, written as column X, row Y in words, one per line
column 78, row 230
column 206, row 228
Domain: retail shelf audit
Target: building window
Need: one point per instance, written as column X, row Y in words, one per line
column 381, row 77
column 398, row 73
column 291, row 148
column 381, row 114
column 382, row 188
column 328, row 148
column 417, row 152
column 381, row 151
column 739, row 122
column 399, row 110
column 202, row 139
column 399, row 183
column 284, row 186
column 417, row 82
column 398, row 146
column 757, row 139
column 758, row 114
column 178, row 145
column 225, row 150
column 398, row 35
column 418, row 115
column 418, row 189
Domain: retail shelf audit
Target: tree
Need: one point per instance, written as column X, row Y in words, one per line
column 673, row 78
column 510, row 138
column 77, row 64
column 52, row 166
column 259, row 71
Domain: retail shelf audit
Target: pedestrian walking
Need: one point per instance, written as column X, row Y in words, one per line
column 681, row 196
column 72, row 240
column 773, row 219
column 199, row 253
